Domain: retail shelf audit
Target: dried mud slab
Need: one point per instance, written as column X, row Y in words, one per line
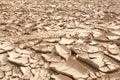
column 5, row 46
column 13, row 54
column 39, row 35
column 52, row 57
column 63, row 51
column 112, row 76
column 95, row 58
column 26, row 72
column 2, row 74
column 116, row 57
column 43, row 48
column 113, row 49
column 3, row 59
column 60, row 77
column 52, row 39
column 70, row 66
column 20, row 61
column 7, row 67
column 66, row 41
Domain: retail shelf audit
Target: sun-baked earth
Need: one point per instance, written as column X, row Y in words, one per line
column 59, row 39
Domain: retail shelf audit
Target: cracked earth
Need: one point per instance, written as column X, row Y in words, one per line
column 59, row 40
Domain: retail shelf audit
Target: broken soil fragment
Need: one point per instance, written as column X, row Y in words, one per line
column 117, row 32
column 52, row 40
column 60, row 77
column 16, row 72
column 67, row 41
column 3, row 59
column 13, row 54
column 20, row 61
column 116, row 57
column 112, row 76
column 5, row 46
column 72, row 68
column 26, row 72
column 114, row 49
column 94, row 58
column 43, row 48
column 7, row 67
column 52, row 57
column 91, row 49
column 63, row 51
column 2, row 74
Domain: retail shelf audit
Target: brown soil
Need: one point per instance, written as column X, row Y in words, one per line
column 59, row 39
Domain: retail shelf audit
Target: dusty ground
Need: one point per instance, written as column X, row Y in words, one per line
column 59, row 39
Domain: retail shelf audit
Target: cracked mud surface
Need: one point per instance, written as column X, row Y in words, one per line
column 59, row 40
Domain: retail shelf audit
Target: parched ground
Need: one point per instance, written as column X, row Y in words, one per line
column 59, row 39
